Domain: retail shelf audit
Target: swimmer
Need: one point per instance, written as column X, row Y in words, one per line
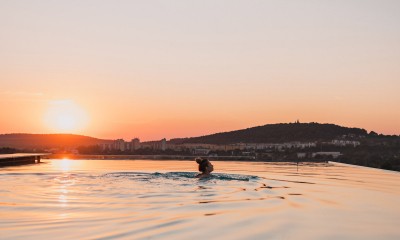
column 205, row 167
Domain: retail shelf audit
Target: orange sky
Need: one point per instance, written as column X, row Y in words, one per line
column 186, row 68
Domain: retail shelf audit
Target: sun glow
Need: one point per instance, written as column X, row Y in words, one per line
column 65, row 116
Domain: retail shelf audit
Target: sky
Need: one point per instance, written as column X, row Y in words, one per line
column 155, row 69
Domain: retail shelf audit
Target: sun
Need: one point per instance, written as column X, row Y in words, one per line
column 65, row 116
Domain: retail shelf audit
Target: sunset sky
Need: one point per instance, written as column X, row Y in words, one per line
column 155, row 69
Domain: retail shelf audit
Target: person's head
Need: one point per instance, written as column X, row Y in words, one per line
column 205, row 166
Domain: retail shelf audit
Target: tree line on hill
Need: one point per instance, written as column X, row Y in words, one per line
column 277, row 133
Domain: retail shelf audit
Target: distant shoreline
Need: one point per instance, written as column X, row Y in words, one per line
column 165, row 157
column 143, row 157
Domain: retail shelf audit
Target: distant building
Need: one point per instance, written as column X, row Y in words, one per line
column 105, row 146
column 301, row 155
column 119, row 144
column 163, row 144
column 201, row 151
column 156, row 145
column 135, row 144
column 344, row 143
column 332, row 154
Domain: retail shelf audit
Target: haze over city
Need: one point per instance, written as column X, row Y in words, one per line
column 155, row 69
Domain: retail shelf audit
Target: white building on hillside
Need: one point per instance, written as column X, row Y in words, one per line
column 332, row 154
column 345, row 143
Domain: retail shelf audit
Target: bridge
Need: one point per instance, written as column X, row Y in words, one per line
column 20, row 158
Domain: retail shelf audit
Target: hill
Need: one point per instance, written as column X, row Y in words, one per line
column 30, row 141
column 277, row 133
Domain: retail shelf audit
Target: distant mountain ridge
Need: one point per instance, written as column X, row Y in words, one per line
column 277, row 133
column 31, row 141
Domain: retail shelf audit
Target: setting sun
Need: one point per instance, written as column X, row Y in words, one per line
column 65, row 116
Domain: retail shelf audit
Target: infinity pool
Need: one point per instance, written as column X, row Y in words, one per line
column 135, row 199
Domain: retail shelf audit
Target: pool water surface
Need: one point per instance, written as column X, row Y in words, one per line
column 158, row 199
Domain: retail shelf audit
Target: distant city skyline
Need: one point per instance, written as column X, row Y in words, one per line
column 155, row 69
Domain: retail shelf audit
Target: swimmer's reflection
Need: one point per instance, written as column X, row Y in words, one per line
column 205, row 167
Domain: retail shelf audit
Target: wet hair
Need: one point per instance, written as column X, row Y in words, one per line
column 203, row 165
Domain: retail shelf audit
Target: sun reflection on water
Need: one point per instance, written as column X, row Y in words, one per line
column 63, row 190
column 65, row 165
column 63, row 200
column 65, row 180
column 62, row 165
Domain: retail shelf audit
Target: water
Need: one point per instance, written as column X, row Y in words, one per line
column 103, row 199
